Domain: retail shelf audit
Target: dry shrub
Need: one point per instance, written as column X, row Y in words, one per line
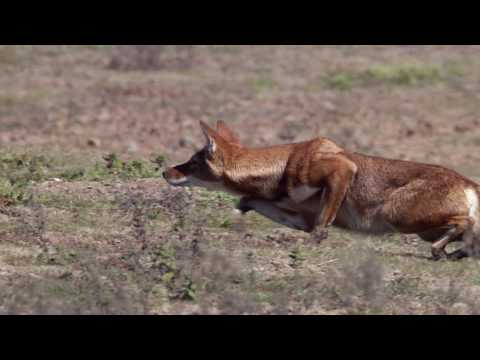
column 151, row 57
column 358, row 283
column 456, row 299
column 227, row 288
column 90, row 289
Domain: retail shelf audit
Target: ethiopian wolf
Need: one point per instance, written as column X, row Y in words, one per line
column 313, row 185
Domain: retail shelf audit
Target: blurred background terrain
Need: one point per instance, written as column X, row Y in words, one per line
column 87, row 225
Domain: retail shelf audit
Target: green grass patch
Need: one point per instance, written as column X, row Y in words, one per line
column 340, row 81
column 263, row 85
column 115, row 168
column 18, row 171
column 394, row 75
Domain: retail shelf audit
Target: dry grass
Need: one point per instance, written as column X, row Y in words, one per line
column 151, row 57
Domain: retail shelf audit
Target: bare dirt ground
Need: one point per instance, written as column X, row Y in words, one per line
column 83, row 231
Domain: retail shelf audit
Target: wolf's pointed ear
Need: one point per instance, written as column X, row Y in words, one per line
column 226, row 133
column 211, row 136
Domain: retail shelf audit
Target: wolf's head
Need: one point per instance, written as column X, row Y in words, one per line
column 206, row 167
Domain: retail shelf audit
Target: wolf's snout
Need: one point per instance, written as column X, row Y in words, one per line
column 172, row 173
column 175, row 177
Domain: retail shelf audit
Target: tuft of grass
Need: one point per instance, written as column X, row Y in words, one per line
column 394, row 75
column 151, row 57
column 297, row 258
column 133, row 169
column 410, row 74
column 18, row 171
column 262, row 85
column 340, row 81
column 359, row 283
column 11, row 193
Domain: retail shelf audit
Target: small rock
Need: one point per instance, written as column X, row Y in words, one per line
column 65, row 275
column 410, row 133
column 93, row 142
column 104, row 115
column 397, row 273
column 52, row 251
column 461, row 129
column 132, row 146
column 329, row 106
column 460, row 309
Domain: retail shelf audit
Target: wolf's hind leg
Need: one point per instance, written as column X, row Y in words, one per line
column 268, row 209
column 471, row 238
column 459, row 225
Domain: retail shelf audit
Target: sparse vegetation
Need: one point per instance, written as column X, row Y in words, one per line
column 262, row 85
column 340, row 81
column 151, row 57
column 402, row 75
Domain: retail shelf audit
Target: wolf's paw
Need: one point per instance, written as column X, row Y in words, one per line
column 458, row 255
column 318, row 235
column 243, row 206
column 465, row 252
column 438, row 254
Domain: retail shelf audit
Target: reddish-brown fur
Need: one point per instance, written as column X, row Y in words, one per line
column 315, row 184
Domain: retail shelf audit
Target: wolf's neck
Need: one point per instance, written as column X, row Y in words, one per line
column 258, row 165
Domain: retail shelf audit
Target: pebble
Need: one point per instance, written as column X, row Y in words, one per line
column 460, row 309
column 93, row 142
column 132, row 146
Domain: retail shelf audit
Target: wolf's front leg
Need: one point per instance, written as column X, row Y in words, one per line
column 333, row 198
column 336, row 187
column 268, row 209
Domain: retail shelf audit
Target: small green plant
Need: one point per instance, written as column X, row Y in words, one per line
column 263, row 84
column 112, row 162
column 134, row 169
column 406, row 74
column 403, row 286
column 18, row 171
column 341, row 81
column 226, row 223
column 73, row 174
column 225, row 199
column 164, row 260
column 159, row 161
column 11, row 194
column 296, row 258
column 187, row 290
